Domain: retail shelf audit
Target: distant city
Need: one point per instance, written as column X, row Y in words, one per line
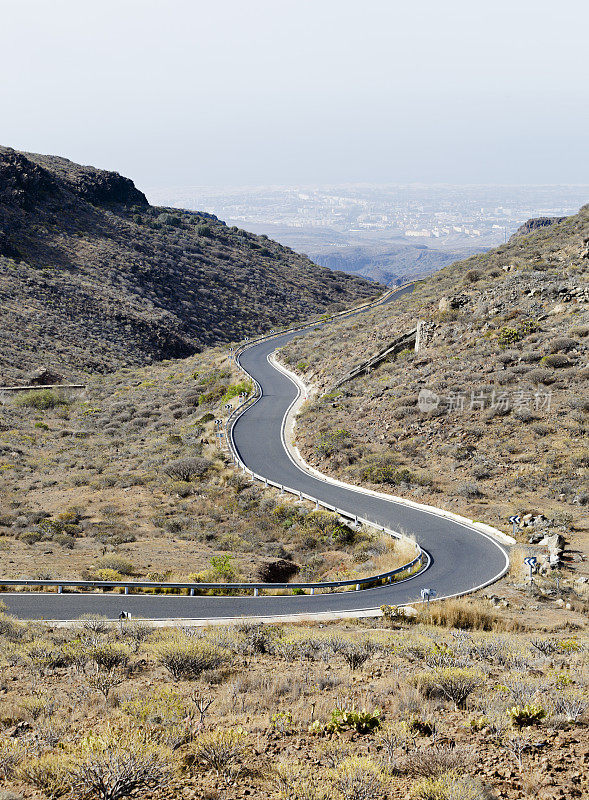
column 387, row 232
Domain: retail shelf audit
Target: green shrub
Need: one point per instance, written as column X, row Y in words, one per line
column 382, row 469
column 330, row 443
column 42, row 400
column 524, row 716
column 363, row 721
column 236, row 389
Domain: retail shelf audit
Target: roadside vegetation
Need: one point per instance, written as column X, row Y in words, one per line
column 128, row 479
column 347, row 710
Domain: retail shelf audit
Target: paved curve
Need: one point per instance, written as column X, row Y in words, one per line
column 462, row 558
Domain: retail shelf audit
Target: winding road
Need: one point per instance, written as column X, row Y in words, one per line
column 462, row 558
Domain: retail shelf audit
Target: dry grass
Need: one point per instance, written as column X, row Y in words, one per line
column 465, row 614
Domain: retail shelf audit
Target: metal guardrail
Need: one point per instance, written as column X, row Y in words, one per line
column 400, row 342
column 383, row 577
column 38, row 387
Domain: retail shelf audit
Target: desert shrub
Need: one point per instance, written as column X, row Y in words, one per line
column 110, row 575
column 382, row 469
column 354, row 655
column 329, row 527
column 556, row 361
column 462, row 613
column 49, row 772
column 42, row 400
column 11, row 628
column 358, row 778
column 342, row 719
column 508, row 336
column 448, row 787
column 531, row 356
column 524, row 716
column 469, row 489
column 11, row 754
column 569, row 704
column 222, row 750
column 395, row 614
column 296, row 782
column 562, row 344
column 117, row 563
column 579, row 331
column 332, row 442
column 433, row 761
column 188, row 658
column 540, row 375
column 112, row 771
column 454, row 683
column 187, row 469
column 94, row 623
column 109, row 655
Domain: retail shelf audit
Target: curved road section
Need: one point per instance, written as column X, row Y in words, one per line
column 462, row 558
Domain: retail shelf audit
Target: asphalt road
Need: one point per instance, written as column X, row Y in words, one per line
column 462, row 558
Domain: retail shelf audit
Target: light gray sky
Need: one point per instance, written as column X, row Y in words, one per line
column 235, row 92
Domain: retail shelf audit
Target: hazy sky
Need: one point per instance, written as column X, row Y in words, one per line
column 235, row 92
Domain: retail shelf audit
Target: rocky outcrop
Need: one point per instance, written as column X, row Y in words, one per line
column 535, row 223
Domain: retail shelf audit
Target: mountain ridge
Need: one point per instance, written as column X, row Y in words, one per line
column 94, row 278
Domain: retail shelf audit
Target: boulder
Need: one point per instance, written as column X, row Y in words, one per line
column 44, row 376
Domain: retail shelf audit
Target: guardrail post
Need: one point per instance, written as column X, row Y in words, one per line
column 256, row 593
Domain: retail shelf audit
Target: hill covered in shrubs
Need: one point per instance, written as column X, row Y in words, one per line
column 93, row 278
column 490, row 417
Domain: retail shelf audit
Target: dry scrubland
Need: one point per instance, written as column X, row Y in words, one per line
column 350, row 711
column 93, row 278
column 511, row 324
column 127, row 479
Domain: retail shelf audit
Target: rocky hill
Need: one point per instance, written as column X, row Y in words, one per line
column 92, row 277
column 490, row 418
column 392, row 263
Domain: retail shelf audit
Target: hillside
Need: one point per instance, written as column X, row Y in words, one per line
column 490, row 418
column 391, row 263
column 93, row 278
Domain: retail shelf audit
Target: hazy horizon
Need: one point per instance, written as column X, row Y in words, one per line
column 247, row 94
